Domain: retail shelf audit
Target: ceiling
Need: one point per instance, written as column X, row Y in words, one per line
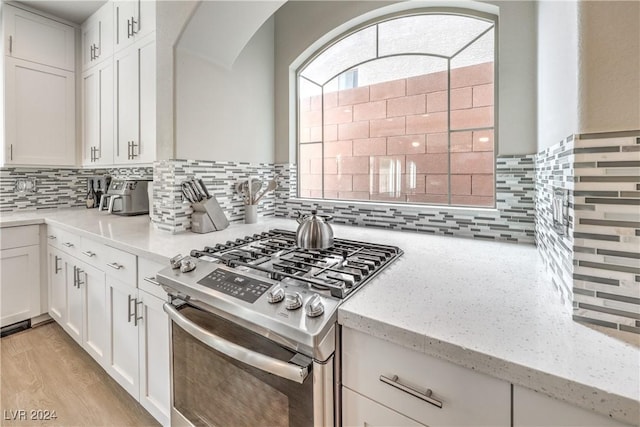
column 76, row 11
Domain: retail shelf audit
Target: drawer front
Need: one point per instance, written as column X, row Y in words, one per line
column 94, row 253
column 398, row 377
column 147, row 278
column 64, row 240
column 18, row 237
column 120, row 265
column 359, row 411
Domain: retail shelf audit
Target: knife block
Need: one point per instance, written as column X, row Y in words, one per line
column 208, row 216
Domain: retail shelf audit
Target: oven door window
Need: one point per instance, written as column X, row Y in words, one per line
column 213, row 389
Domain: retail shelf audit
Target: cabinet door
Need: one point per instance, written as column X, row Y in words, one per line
column 359, row 411
column 57, row 285
column 19, row 284
column 94, row 338
column 91, row 29
column 75, row 301
column 122, row 356
column 127, row 107
column 531, row 409
column 97, row 115
column 145, row 152
column 134, row 20
column 97, row 37
column 38, row 39
column 39, row 114
column 135, row 69
column 153, row 338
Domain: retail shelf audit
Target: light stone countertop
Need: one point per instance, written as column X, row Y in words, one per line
column 488, row 306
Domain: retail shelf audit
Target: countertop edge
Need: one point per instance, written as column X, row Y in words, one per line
column 623, row 409
column 152, row 256
column 21, row 222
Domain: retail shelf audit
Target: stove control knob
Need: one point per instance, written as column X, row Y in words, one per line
column 275, row 294
column 292, row 301
column 187, row 265
column 314, row 306
column 175, row 261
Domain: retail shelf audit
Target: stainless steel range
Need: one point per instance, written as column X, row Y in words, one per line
column 254, row 328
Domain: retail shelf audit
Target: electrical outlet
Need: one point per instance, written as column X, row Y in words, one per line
column 25, row 186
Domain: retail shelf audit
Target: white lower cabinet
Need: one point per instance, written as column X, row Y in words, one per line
column 363, row 412
column 122, row 362
column 122, row 326
column 94, row 316
column 153, row 342
column 533, row 409
column 57, row 275
column 19, row 274
column 397, row 378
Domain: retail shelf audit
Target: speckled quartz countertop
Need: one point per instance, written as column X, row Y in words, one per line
column 484, row 305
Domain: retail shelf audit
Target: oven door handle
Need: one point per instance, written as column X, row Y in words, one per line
column 239, row 353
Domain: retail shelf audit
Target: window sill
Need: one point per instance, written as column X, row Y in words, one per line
column 464, row 210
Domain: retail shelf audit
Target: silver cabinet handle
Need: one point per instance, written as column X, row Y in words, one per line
column 68, row 244
column 115, row 266
column 10, row 151
column 51, row 237
column 79, row 282
column 89, row 254
column 427, row 395
column 10, row 44
column 57, row 259
column 137, row 318
column 257, row 360
column 130, row 314
column 152, row 281
column 75, row 276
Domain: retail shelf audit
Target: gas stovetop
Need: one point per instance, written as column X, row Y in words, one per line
column 267, row 283
column 274, row 254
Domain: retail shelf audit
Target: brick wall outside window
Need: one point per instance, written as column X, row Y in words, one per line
column 389, row 141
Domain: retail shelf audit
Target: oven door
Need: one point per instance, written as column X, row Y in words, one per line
column 226, row 375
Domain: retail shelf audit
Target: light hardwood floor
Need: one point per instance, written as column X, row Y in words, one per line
column 44, row 369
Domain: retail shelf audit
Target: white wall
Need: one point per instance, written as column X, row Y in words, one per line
column 171, row 18
column 301, row 23
column 609, row 64
column 557, row 71
column 227, row 114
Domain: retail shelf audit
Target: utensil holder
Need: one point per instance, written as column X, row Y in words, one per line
column 250, row 214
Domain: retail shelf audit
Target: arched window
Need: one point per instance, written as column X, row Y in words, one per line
column 401, row 111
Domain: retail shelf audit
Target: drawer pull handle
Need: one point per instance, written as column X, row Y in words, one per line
column 68, row 244
column 89, row 254
column 51, row 237
column 427, row 395
column 152, row 281
column 115, row 266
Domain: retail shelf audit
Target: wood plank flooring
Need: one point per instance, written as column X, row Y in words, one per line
column 44, row 369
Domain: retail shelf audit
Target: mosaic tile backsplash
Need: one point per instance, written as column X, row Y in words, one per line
column 172, row 213
column 597, row 264
column 55, row 187
column 554, row 171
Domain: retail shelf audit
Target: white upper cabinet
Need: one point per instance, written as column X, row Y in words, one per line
column 134, row 19
column 34, row 38
column 39, row 90
column 136, row 102
column 98, row 37
column 39, row 114
column 97, row 115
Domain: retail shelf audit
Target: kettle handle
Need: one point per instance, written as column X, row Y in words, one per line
column 299, row 218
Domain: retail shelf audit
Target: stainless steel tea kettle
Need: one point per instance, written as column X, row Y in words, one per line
column 314, row 231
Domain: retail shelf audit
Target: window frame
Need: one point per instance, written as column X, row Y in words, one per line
column 489, row 17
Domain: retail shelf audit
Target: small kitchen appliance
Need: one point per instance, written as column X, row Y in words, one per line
column 261, row 313
column 126, row 196
column 314, row 231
